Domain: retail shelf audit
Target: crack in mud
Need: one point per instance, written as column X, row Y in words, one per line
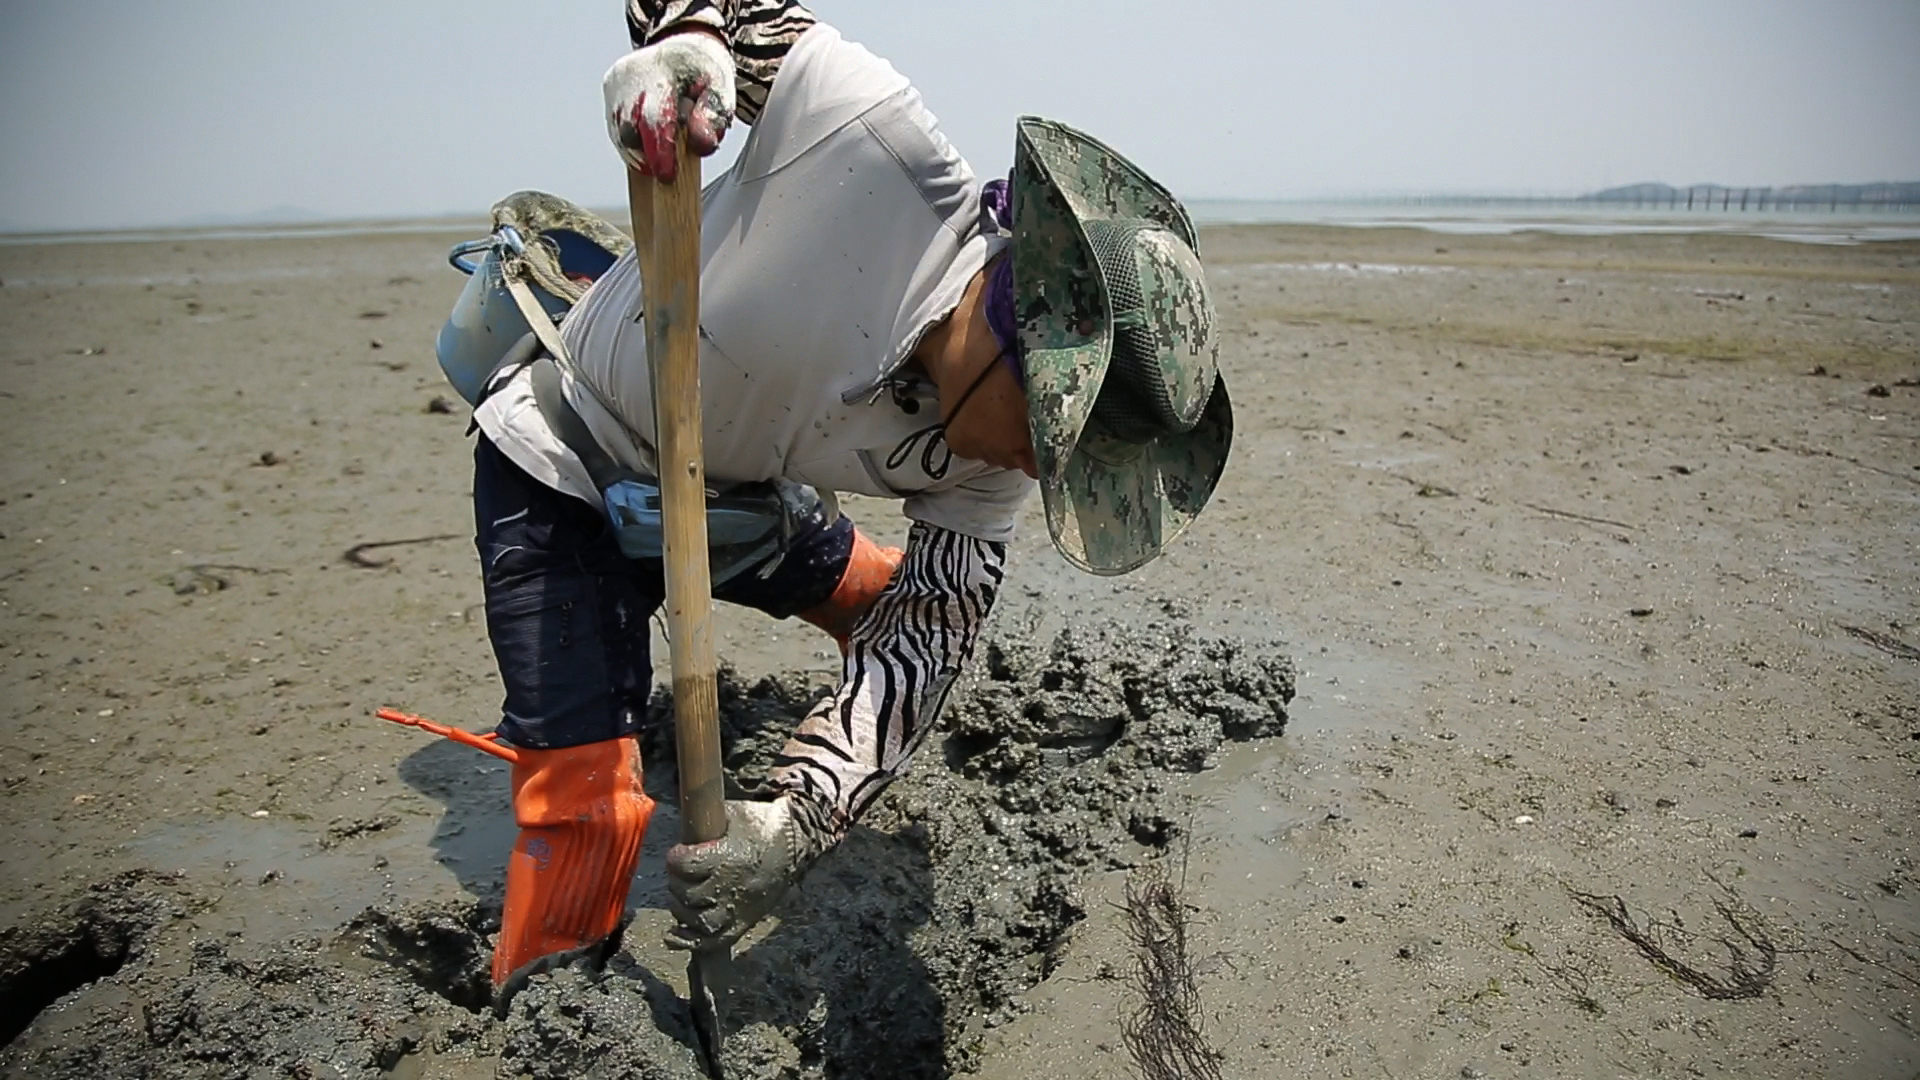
column 954, row 897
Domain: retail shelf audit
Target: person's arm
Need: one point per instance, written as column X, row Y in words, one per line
column 902, row 658
column 757, row 32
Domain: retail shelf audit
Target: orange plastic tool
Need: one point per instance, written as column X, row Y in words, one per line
column 485, row 743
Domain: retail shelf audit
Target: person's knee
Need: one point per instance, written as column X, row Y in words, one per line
column 574, row 656
column 571, row 644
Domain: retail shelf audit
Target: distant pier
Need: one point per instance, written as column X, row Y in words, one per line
column 1833, row 198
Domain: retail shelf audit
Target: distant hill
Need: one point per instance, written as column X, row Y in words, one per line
column 1796, row 195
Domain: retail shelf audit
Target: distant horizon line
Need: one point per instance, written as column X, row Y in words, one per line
column 300, row 219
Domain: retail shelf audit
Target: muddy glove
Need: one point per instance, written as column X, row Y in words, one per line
column 688, row 76
column 722, row 888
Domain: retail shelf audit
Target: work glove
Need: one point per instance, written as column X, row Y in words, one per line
column 688, row 76
column 723, row 887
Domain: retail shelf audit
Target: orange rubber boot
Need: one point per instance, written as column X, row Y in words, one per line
column 869, row 568
column 582, row 814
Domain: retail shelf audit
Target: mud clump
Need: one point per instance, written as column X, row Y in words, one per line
column 292, row 1009
column 88, row 939
column 1057, row 757
column 620, row 1024
column 957, row 893
column 1061, row 760
column 300, row 1009
column 352, row 1005
column 442, row 947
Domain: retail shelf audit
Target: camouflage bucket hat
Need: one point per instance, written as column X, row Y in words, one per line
column 1131, row 422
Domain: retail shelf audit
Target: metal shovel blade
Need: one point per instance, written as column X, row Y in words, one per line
column 706, row 1015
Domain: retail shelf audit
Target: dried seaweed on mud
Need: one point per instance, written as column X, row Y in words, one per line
column 1892, row 646
column 357, row 554
column 1575, row 976
column 1568, row 515
column 1164, row 1033
column 1752, row 955
column 1902, row 950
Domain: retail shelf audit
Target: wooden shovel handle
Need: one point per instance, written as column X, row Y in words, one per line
column 671, row 283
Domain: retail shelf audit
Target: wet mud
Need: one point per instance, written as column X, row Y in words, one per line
column 1058, row 756
column 1597, row 552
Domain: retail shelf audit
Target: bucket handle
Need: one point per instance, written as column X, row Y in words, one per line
column 505, row 237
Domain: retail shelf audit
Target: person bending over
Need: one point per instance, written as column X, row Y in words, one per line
column 876, row 320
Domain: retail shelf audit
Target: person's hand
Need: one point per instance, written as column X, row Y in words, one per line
column 688, row 76
column 722, row 888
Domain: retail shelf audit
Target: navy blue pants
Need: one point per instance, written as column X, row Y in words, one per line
column 567, row 613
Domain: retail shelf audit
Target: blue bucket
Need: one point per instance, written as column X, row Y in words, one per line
column 486, row 322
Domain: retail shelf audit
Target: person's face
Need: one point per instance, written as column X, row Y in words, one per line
column 991, row 424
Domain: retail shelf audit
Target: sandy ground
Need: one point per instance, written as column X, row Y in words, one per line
column 1596, row 557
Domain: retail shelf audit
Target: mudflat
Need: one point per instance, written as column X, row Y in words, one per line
column 1540, row 696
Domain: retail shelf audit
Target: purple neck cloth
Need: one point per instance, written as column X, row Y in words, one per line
column 996, row 204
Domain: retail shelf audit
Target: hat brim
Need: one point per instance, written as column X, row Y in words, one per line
column 1111, row 505
column 1117, row 505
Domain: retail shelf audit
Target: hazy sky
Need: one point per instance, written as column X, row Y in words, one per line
column 136, row 112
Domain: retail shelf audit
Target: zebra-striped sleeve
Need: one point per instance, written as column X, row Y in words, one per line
column 902, row 657
column 759, row 31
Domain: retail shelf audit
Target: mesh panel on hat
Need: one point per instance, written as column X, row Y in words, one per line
column 1134, row 403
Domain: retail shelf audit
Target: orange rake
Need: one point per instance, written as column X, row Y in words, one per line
column 484, row 743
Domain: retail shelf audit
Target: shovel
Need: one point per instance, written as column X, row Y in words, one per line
column 666, row 234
